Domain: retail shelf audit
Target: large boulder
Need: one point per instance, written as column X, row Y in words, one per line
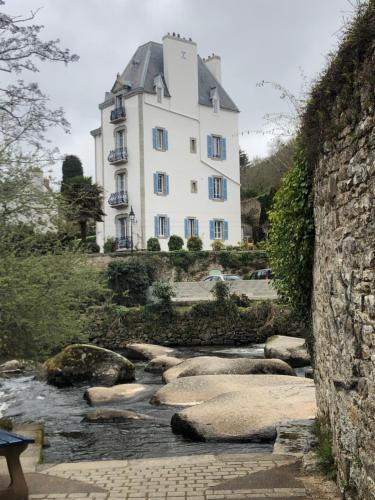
column 121, row 392
column 162, row 363
column 292, row 350
column 79, row 363
column 146, row 352
column 188, row 391
column 252, row 414
column 213, row 365
column 112, row 415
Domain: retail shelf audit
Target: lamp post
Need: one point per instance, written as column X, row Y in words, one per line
column 132, row 220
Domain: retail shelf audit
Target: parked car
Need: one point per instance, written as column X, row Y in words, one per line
column 262, row 274
column 222, row 277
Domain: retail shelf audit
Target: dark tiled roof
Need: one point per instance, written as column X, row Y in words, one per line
column 147, row 63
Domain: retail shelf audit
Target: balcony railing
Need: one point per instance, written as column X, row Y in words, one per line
column 118, row 155
column 118, row 114
column 118, row 199
column 123, row 243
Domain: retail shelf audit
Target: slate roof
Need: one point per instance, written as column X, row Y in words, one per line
column 147, row 63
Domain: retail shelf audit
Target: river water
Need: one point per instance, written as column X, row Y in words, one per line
column 26, row 399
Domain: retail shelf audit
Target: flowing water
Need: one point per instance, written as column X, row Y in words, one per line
column 61, row 411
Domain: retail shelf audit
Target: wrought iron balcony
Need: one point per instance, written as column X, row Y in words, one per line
column 123, row 243
column 119, row 199
column 118, row 114
column 118, row 155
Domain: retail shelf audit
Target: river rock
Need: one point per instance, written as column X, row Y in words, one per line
column 121, row 392
column 250, row 415
column 188, row 391
column 111, row 415
column 11, row 367
column 87, row 363
column 213, row 365
column 146, row 351
column 292, row 350
column 162, row 363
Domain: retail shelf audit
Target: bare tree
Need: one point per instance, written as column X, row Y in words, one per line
column 24, row 113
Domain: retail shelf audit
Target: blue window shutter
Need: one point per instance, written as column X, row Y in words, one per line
column 186, row 224
column 154, row 138
column 156, row 223
column 225, row 230
column 155, row 183
column 210, row 188
column 212, row 230
column 225, row 189
column 167, row 227
column 167, row 184
column 196, row 227
column 165, row 139
column 209, row 146
column 223, row 148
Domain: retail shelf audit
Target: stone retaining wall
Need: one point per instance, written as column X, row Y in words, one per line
column 344, row 290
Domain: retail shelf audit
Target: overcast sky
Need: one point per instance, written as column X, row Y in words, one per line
column 256, row 39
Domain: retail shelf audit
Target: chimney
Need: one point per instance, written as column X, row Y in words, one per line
column 213, row 63
column 181, row 72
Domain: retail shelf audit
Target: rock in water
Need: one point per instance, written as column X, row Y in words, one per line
column 122, row 392
column 188, row 391
column 292, row 350
column 250, row 415
column 111, row 415
column 80, row 363
column 162, row 363
column 146, row 351
column 213, row 365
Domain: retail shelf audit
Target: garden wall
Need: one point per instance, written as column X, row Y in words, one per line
column 341, row 115
column 190, row 266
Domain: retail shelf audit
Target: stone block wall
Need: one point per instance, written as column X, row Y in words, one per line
column 344, row 298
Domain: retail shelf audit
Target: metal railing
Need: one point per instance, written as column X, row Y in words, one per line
column 118, row 155
column 118, row 198
column 118, row 114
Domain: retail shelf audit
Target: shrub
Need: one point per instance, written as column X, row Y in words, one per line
column 129, row 280
column 217, row 245
column 325, row 455
column 221, row 291
column 240, row 300
column 194, row 244
column 153, row 245
column 175, row 243
column 91, row 246
column 110, row 245
column 164, row 293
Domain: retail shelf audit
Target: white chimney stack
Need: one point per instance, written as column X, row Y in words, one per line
column 213, row 63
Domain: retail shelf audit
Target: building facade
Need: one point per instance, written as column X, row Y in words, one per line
column 167, row 148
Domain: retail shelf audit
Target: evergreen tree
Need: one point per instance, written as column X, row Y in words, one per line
column 71, row 167
column 84, row 202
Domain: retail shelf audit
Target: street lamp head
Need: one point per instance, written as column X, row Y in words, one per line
column 132, row 214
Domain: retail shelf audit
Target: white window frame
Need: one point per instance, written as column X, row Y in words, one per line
column 194, row 186
column 122, row 226
column 161, row 183
column 120, row 143
column 162, row 222
column 193, row 145
column 217, row 191
column 216, row 147
column 118, row 176
column 218, row 229
column 159, row 138
column 215, row 105
column 191, row 226
column 119, row 101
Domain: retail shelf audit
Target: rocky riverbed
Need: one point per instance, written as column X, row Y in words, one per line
column 125, row 428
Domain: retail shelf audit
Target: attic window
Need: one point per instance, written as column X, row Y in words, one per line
column 159, row 88
column 214, row 96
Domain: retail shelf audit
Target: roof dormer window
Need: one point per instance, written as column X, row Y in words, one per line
column 215, row 99
column 159, row 88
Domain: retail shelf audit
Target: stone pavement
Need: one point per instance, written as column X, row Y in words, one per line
column 196, row 477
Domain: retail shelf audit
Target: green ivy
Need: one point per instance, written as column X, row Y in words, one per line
column 290, row 243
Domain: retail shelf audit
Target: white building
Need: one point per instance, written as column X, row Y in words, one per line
column 168, row 148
